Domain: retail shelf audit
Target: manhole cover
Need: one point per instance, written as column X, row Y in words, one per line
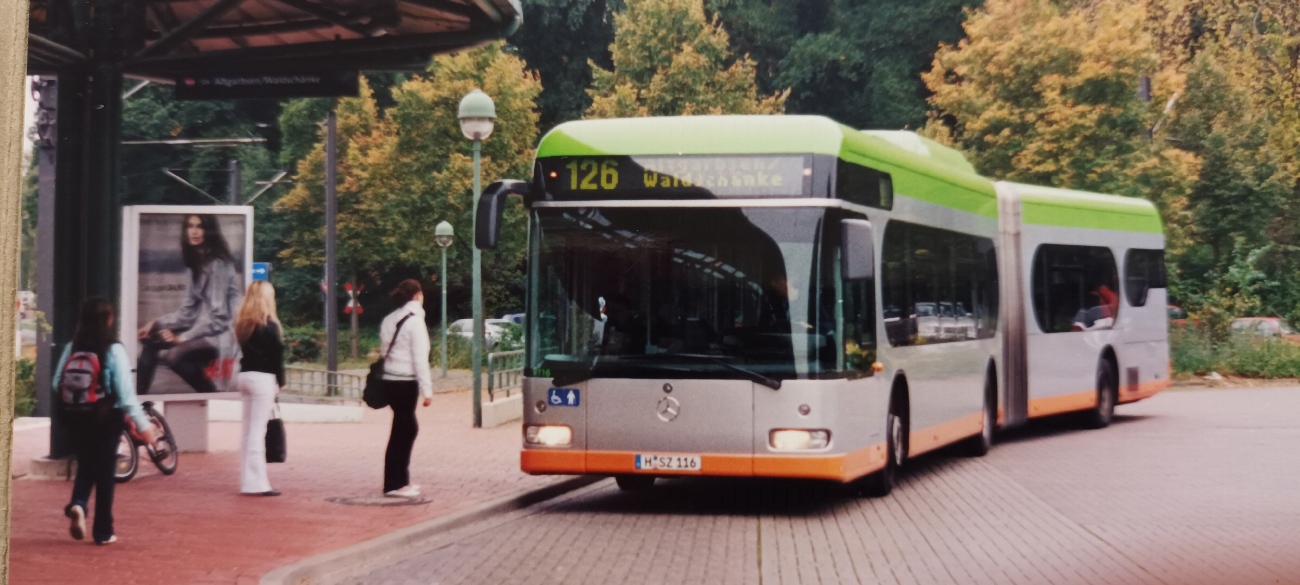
column 379, row 501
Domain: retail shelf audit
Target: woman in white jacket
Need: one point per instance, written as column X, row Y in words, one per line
column 406, row 378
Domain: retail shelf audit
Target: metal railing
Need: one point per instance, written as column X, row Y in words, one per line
column 314, row 382
column 505, row 372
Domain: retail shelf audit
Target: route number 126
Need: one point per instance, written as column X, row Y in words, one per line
column 584, row 174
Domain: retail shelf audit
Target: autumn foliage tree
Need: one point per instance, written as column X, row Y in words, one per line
column 671, row 60
column 405, row 169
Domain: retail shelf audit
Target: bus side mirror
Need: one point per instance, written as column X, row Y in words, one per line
column 857, row 249
column 491, row 208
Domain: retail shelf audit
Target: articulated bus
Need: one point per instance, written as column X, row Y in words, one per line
column 783, row 296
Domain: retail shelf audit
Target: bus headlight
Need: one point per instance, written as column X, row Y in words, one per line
column 548, row 435
column 799, row 440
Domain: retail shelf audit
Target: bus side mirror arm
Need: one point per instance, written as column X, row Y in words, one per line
column 491, row 208
column 857, row 249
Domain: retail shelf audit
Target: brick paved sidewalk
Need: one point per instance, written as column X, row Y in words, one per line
column 194, row 527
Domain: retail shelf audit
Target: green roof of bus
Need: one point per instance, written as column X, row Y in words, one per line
column 934, row 179
column 920, row 168
column 1065, row 208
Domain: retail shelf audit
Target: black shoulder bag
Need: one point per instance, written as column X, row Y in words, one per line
column 374, row 394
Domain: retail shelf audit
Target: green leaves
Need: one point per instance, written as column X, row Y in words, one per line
column 671, row 60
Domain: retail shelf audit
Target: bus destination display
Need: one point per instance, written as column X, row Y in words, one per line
column 676, row 177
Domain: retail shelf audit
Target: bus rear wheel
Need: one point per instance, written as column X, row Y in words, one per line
column 880, row 483
column 979, row 445
column 1101, row 415
column 634, row 483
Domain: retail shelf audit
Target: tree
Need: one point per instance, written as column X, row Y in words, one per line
column 671, row 60
column 558, row 41
column 1046, row 95
column 403, row 171
column 858, row 61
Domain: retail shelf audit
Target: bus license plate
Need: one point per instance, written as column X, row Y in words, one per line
column 668, row 462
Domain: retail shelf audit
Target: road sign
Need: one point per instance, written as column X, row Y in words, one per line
column 564, row 397
column 229, row 87
column 261, row 271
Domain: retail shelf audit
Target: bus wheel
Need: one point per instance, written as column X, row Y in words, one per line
column 634, row 483
column 1100, row 416
column 979, row 445
column 880, row 483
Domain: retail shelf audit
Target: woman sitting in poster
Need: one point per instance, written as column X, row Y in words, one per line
column 192, row 335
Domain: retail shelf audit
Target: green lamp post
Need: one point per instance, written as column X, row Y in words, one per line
column 443, row 234
column 477, row 116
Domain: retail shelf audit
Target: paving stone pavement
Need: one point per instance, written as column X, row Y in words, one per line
column 1187, row 488
column 193, row 527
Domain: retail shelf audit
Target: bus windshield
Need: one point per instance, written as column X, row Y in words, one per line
column 678, row 293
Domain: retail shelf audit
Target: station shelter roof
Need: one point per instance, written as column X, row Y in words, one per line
column 170, row 38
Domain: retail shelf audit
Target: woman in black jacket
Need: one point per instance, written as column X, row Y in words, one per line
column 261, row 375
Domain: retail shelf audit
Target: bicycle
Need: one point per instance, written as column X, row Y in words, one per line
column 165, row 455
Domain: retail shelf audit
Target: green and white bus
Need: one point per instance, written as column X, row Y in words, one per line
column 784, row 296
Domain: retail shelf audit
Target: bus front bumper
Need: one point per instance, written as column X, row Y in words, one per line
column 841, row 467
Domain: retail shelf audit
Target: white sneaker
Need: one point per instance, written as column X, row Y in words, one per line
column 410, row 491
column 78, row 526
column 111, row 540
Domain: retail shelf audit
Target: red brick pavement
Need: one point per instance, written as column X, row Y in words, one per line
column 194, row 527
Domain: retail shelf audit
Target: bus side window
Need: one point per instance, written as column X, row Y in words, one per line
column 1143, row 271
column 1074, row 288
column 937, row 286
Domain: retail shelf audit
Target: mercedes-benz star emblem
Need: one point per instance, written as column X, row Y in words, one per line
column 668, row 408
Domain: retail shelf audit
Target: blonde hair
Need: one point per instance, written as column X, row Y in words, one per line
column 257, row 310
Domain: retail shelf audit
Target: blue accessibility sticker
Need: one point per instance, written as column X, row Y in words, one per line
column 564, row 397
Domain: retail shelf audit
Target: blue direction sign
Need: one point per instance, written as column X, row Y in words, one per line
column 564, row 397
column 261, row 271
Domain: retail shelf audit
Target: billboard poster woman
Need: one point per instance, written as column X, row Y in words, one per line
column 191, row 269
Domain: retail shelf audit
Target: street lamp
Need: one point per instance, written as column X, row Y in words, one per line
column 477, row 115
column 443, row 234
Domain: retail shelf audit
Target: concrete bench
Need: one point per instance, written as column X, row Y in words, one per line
column 187, row 415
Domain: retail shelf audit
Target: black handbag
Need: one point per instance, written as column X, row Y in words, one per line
column 276, row 447
column 374, row 394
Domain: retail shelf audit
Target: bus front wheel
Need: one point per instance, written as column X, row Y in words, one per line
column 1101, row 414
column 634, row 483
column 880, row 483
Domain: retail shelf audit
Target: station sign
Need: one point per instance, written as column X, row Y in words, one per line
column 268, row 86
column 261, row 271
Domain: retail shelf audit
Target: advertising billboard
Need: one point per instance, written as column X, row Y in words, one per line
column 184, row 272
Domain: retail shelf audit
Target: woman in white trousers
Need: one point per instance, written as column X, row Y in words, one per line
column 261, row 375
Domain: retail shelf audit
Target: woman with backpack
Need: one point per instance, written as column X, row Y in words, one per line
column 261, row 376
column 404, row 340
column 93, row 379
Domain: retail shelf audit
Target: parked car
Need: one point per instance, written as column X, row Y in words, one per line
column 1266, row 327
column 1177, row 316
column 492, row 330
column 516, row 318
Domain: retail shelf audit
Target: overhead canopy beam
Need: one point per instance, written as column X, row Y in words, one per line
column 187, row 30
column 327, row 15
column 52, row 52
column 395, row 52
column 445, row 6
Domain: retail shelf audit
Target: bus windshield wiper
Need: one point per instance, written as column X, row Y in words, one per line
column 749, row 374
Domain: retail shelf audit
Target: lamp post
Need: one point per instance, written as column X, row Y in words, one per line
column 443, row 234
column 477, row 115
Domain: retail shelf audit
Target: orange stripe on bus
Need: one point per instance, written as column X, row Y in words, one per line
column 931, row 438
column 1144, row 390
column 842, row 467
column 538, row 462
column 1064, row 403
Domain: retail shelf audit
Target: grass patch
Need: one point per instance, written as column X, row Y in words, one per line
column 1194, row 352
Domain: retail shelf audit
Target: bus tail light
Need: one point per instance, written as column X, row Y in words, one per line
column 799, row 439
column 548, row 435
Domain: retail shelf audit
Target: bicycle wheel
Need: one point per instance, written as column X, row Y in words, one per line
column 128, row 459
column 166, row 456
